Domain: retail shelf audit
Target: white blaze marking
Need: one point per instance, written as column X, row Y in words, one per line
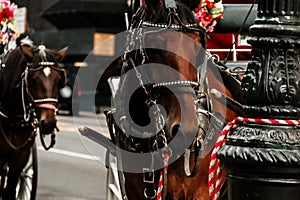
column 47, row 71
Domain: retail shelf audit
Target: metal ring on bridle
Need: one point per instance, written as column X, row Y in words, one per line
column 148, row 196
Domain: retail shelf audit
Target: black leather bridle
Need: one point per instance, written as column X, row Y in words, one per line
column 198, row 88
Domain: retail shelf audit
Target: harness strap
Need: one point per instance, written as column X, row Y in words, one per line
column 198, row 149
column 3, row 115
column 46, row 106
column 165, row 26
column 52, row 141
column 30, row 140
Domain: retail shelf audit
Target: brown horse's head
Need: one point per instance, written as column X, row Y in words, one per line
column 165, row 67
column 168, row 46
column 44, row 76
column 172, row 47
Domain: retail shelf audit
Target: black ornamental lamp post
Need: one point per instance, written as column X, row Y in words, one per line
column 262, row 159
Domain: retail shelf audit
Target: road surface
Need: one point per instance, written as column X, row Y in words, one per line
column 69, row 171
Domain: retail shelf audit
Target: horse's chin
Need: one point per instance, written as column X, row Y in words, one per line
column 47, row 127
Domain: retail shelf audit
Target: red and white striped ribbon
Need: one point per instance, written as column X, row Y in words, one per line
column 160, row 186
column 214, row 171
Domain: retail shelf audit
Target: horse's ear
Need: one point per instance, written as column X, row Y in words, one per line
column 27, row 51
column 61, row 54
column 153, row 5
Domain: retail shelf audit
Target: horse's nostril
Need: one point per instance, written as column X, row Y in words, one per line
column 175, row 129
column 47, row 127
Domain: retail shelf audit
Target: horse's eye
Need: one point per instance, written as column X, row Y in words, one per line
column 31, row 76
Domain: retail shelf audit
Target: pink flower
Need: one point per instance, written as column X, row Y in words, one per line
column 212, row 26
column 5, row 4
column 204, row 17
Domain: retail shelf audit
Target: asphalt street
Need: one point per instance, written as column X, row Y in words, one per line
column 73, row 169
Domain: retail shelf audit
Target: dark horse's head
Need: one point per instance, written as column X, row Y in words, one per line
column 31, row 79
column 44, row 76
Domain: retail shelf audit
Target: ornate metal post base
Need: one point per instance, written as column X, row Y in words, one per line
column 263, row 160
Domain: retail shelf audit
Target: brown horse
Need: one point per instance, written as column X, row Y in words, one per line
column 30, row 79
column 186, row 109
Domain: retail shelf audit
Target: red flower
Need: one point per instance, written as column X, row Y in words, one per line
column 204, row 17
column 2, row 18
column 208, row 13
column 210, row 5
column 9, row 14
column 219, row 16
column 8, row 10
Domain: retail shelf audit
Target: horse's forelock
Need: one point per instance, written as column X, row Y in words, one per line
column 41, row 54
column 159, row 14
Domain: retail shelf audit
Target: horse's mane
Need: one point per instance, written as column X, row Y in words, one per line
column 232, row 83
column 14, row 66
column 161, row 14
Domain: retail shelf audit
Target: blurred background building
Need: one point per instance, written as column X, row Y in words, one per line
column 83, row 24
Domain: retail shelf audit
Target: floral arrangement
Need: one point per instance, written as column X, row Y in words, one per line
column 208, row 13
column 7, row 26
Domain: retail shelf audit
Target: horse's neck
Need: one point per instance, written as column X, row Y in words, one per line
column 225, row 83
column 12, row 85
column 12, row 101
column 233, row 85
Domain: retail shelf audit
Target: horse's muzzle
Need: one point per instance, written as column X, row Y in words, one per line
column 47, row 127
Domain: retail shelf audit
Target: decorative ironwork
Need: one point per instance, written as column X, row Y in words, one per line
column 272, row 75
column 263, row 160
